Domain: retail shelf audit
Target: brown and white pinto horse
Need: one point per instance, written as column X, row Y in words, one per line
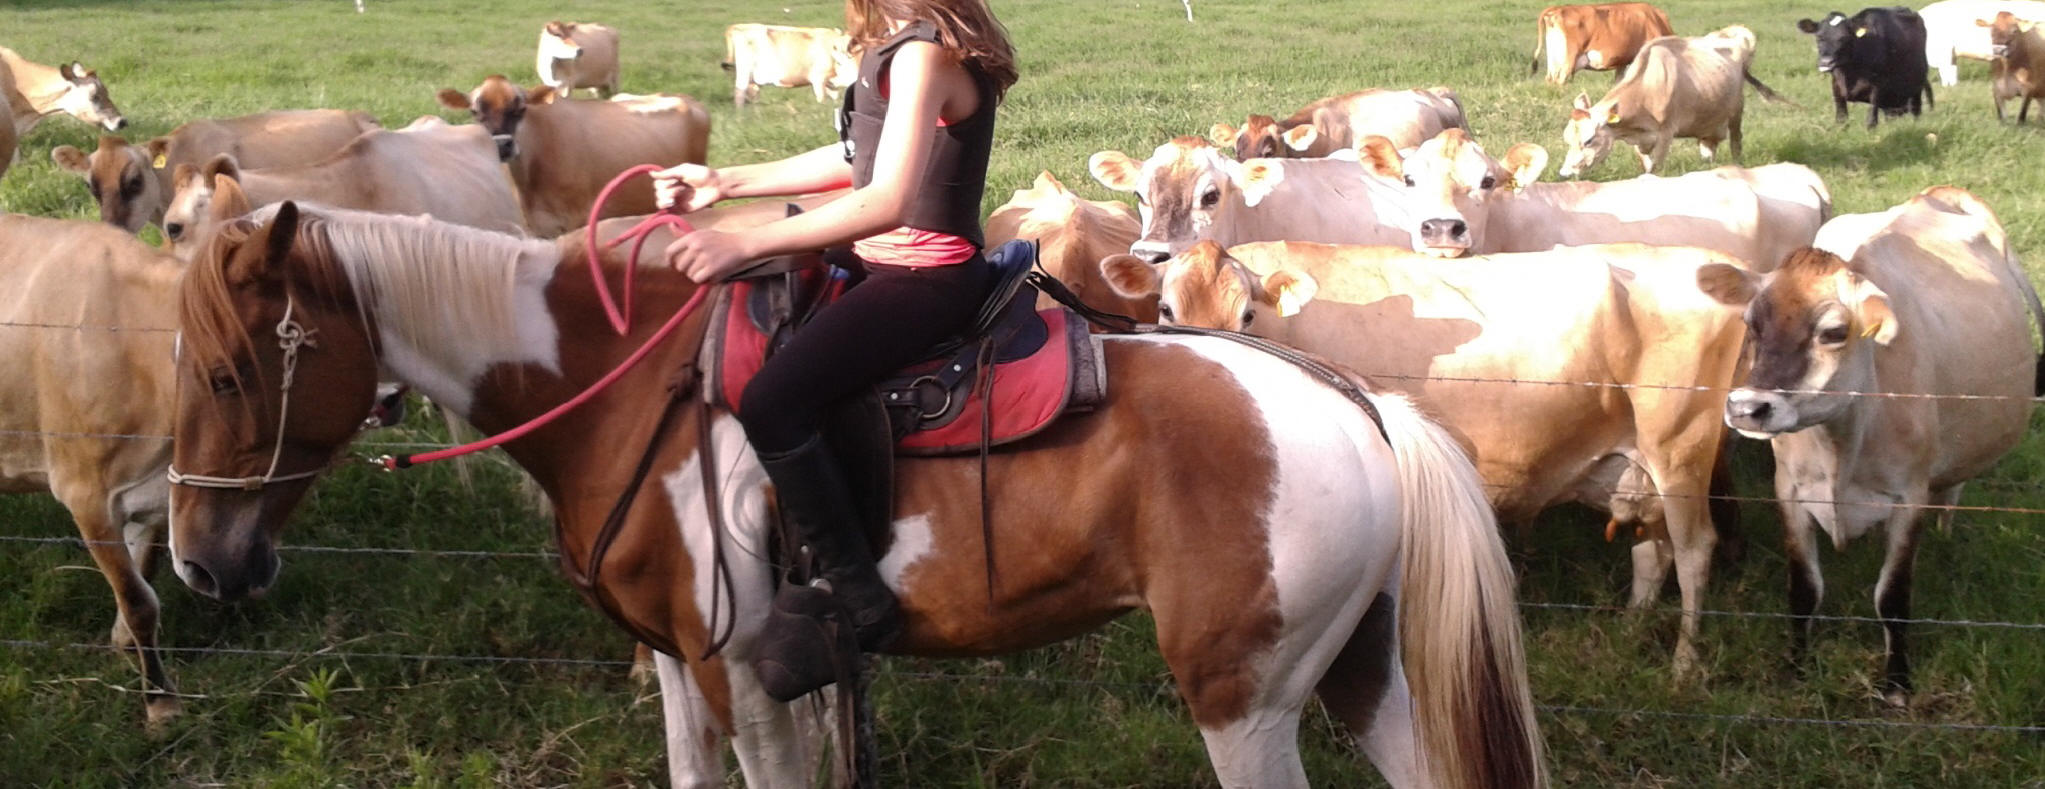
column 1282, row 544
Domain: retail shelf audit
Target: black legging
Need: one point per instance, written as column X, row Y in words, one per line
column 884, row 323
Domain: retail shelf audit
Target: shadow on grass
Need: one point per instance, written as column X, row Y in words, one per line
column 1895, row 144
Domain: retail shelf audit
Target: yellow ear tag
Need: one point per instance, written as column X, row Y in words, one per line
column 1612, row 117
column 161, row 160
column 1859, row 32
column 1871, row 330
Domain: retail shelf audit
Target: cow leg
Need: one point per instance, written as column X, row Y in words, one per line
column 1656, row 153
column 1653, row 556
column 695, row 752
column 1806, row 580
column 1736, row 134
column 1874, row 108
column 1999, row 117
column 2024, row 111
column 135, row 603
column 1366, row 689
column 1838, row 105
column 1892, row 598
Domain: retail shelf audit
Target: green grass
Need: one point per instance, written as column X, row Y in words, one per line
column 1098, row 74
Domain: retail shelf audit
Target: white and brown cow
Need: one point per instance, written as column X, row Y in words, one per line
column 1598, row 37
column 561, row 151
column 1477, row 340
column 578, row 55
column 1457, row 200
column 1678, row 87
column 429, row 167
column 132, row 183
column 2019, row 47
column 1407, row 117
column 788, row 57
column 1188, row 192
column 35, row 91
column 1925, row 300
column 1073, row 235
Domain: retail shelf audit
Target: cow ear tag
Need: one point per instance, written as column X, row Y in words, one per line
column 161, row 160
column 1612, row 117
column 1871, row 330
column 1859, row 32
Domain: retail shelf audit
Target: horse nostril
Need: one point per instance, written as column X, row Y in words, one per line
column 200, row 580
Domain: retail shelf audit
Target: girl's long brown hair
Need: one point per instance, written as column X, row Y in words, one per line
column 965, row 28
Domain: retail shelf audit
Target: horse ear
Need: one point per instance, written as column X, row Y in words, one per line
column 274, row 239
column 229, row 201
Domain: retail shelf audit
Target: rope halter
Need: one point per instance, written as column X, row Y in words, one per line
column 291, row 336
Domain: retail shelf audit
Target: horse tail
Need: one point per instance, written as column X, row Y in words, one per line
column 1474, row 713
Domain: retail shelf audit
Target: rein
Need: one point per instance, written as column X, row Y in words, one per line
column 617, row 309
column 291, row 336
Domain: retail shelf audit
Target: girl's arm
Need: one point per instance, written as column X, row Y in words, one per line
column 695, row 187
column 920, row 78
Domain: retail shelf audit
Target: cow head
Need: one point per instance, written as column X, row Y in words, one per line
column 498, row 105
column 1204, row 287
column 193, row 193
column 1837, row 36
column 124, row 179
column 85, row 97
column 1812, row 327
column 844, row 67
column 2003, row 30
column 1186, row 192
column 1260, row 138
column 1589, row 135
column 1450, row 184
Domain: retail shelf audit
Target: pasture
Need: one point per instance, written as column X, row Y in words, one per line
column 419, row 635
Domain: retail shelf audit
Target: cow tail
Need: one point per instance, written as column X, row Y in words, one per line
column 730, row 57
column 1540, row 35
column 1766, row 92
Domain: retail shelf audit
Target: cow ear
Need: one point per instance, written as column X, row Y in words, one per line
column 1877, row 321
column 1048, row 183
column 1729, row 284
column 223, row 164
column 1257, row 178
column 1114, row 169
column 453, row 99
column 75, row 71
column 229, row 201
column 1983, row 23
column 1222, row 135
column 543, row 94
column 1381, row 157
column 1525, row 162
column 1302, row 136
column 1582, row 103
column 1807, row 26
column 159, row 152
column 1859, row 32
column 1129, row 276
column 1289, row 291
column 71, row 159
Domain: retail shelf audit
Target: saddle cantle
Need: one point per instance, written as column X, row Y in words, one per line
column 1022, row 365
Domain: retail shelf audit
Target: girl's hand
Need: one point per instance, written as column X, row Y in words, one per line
column 708, row 255
column 693, row 187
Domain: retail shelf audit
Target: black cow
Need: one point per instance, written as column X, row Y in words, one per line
column 1875, row 56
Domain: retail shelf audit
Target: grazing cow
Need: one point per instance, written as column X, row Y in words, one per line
column 1924, row 299
column 1678, row 87
column 1596, row 37
column 429, row 167
column 7, row 137
column 72, row 394
column 578, row 55
column 1875, row 56
column 1408, row 117
column 132, row 184
column 1469, row 331
column 788, row 57
column 1072, row 236
column 1459, row 201
column 1950, row 31
column 2019, row 62
column 34, row 91
column 1188, row 192
column 562, row 152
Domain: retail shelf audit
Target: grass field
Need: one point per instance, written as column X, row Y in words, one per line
column 300, row 689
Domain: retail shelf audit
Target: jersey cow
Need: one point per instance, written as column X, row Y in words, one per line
column 1188, row 192
column 1457, row 200
column 1407, row 117
column 132, row 183
column 1875, row 56
column 561, row 152
column 429, row 167
column 2019, row 62
column 30, row 91
column 578, row 55
column 788, row 57
column 1678, row 87
column 1073, row 235
column 1625, row 318
column 74, row 394
column 1952, row 30
column 1924, row 300
column 1599, row 37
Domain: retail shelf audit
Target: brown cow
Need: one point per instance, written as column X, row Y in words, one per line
column 1072, row 236
column 578, row 55
column 2019, row 49
column 35, row 91
column 1681, row 87
column 1408, row 117
column 1598, row 37
column 561, row 152
column 132, row 183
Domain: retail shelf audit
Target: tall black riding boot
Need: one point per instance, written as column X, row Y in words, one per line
column 806, row 630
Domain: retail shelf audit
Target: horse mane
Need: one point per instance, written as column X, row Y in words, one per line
column 437, row 286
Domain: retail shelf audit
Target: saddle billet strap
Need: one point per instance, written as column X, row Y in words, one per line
column 1314, row 367
column 1050, row 286
column 587, row 577
column 986, row 385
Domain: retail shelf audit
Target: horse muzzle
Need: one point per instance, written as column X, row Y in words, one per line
column 231, row 576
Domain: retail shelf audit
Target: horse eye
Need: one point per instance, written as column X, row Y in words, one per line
column 224, row 382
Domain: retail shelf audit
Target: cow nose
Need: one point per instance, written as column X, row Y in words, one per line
column 120, row 123
column 507, row 146
column 1751, row 410
column 1151, row 252
column 1443, row 228
column 176, row 230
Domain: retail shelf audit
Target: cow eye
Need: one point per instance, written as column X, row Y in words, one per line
column 1488, row 182
column 1210, row 198
column 1164, row 313
column 1248, row 316
column 1409, row 181
column 1832, row 335
column 131, row 187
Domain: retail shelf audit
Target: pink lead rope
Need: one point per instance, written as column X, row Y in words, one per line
column 618, row 310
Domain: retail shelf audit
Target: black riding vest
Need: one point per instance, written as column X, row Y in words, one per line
column 948, row 200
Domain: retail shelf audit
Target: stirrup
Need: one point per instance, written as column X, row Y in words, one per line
column 808, row 643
